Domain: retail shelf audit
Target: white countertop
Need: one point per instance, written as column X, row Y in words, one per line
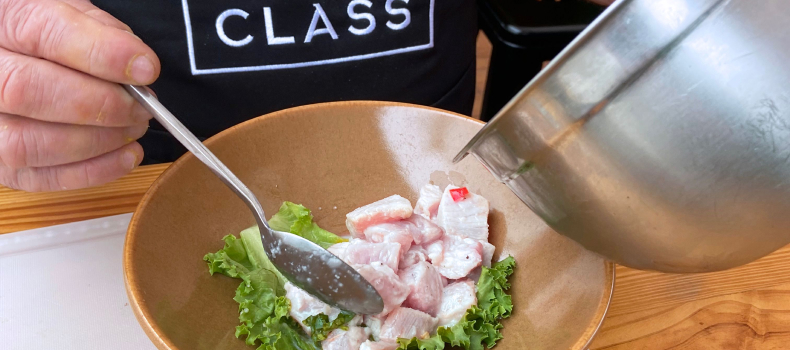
column 61, row 287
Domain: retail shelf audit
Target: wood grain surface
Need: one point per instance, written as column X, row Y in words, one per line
column 23, row 211
column 743, row 308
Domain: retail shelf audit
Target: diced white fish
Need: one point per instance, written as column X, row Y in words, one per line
column 408, row 323
column 379, row 345
column 488, row 253
column 374, row 323
column 466, row 218
column 426, row 287
column 339, row 250
column 304, row 305
column 393, row 292
column 455, row 257
column 420, row 230
column 396, row 232
column 392, row 208
column 435, row 252
column 339, row 339
column 361, row 252
column 415, row 254
column 424, row 231
column 457, row 297
column 428, row 203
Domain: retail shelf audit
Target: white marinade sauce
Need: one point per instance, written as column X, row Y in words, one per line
column 423, row 261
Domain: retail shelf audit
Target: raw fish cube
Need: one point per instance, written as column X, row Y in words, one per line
column 339, row 250
column 379, row 345
column 426, row 287
column 408, row 323
column 396, row 232
column 456, row 299
column 488, row 253
column 415, row 254
column 424, row 231
column 374, row 325
column 455, row 257
column 393, row 208
column 345, row 340
column 428, row 203
column 304, row 305
column 361, row 252
column 466, row 218
column 393, row 292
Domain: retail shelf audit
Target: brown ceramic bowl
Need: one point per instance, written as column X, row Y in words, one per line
column 333, row 158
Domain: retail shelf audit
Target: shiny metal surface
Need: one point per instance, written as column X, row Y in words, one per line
column 303, row 262
column 660, row 138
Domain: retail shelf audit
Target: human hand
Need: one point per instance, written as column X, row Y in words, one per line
column 65, row 122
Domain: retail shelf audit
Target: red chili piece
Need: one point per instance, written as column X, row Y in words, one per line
column 459, row 194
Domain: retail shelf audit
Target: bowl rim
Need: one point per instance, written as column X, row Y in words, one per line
column 162, row 342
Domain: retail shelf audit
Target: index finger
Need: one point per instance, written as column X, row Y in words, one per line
column 58, row 32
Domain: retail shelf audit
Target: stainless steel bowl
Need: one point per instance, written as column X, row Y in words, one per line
column 660, row 138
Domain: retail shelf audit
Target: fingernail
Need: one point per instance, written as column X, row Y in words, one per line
column 140, row 114
column 130, row 159
column 135, row 132
column 141, row 70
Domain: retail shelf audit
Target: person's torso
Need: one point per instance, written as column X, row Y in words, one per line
column 227, row 61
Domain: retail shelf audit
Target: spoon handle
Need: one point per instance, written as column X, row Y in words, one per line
column 186, row 138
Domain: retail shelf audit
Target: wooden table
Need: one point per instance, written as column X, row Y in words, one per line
column 743, row 308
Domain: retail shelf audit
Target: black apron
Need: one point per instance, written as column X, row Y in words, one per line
column 227, row 61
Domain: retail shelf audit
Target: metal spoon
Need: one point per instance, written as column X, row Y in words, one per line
column 303, row 262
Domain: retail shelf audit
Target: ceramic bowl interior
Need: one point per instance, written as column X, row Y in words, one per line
column 333, row 158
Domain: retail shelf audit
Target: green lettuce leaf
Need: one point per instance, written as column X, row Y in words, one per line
column 297, row 219
column 502, row 270
column 265, row 330
column 251, row 238
column 434, row 343
column 263, row 308
column 231, row 260
column 473, row 331
column 292, row 338
column 277, row 332
column 320, row 326
column 491, row 290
